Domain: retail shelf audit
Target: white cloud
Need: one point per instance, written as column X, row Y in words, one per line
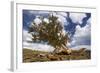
column 77, row 17
column 71, row 43
column 31, row 12
column 64, row 14
column 37, row 20
column 83, row 31
column 46, row 20
column 38, row 46
column 62, row 19
column 82, row 35
column 89, row 21
column 26, row 36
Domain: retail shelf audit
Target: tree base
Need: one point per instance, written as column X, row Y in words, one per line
column 62, row 51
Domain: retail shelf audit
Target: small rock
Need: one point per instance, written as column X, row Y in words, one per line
column 52, row 57
column 41, row 55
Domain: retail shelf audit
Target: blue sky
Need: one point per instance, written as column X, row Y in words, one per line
column 77, row 25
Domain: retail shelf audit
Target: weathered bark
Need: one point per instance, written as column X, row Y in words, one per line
column 62, row 50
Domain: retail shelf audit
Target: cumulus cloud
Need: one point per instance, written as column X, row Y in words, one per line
column 62, row 19
column 38, row 46
column 64, row 14
column 26, row 36
column 89, row 21
column 82, row 35
column 36, row 12
column 37, row 20
column 46, row 20
column 82, row 32
column 77, row 17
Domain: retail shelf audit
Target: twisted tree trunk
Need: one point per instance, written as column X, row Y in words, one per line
column 62, row 50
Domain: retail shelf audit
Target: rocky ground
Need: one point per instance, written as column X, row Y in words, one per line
column 40, row 56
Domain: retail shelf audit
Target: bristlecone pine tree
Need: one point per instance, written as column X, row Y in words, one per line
column 52, row 33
